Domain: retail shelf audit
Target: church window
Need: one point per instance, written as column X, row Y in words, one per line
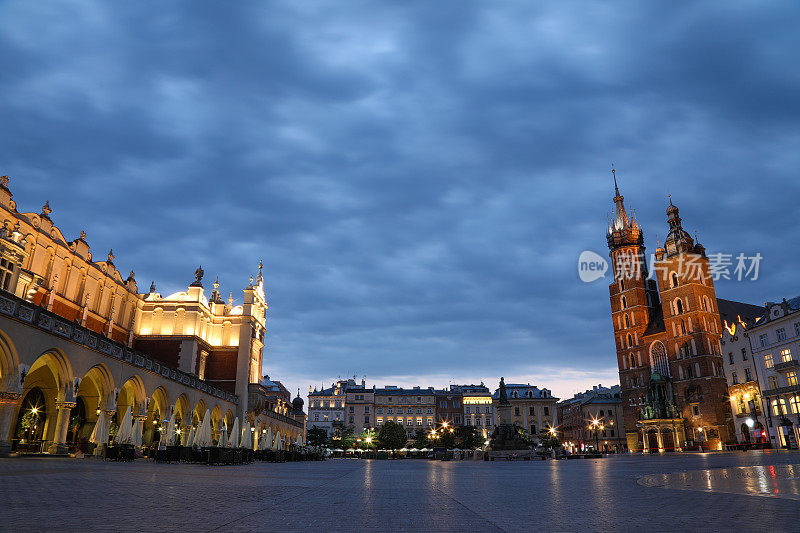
column 627, row 322
column 633, row 361
column 679, row 306
column 674, row 280
column 624, row 303
column 630, row 340
column 683, row 327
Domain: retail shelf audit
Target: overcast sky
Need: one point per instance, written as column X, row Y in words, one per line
column 418, row 177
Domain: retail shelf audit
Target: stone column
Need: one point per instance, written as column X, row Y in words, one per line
column 678, row 447
column 59, row 445
column 8, row 404
column 660, row 439
column 645, row 442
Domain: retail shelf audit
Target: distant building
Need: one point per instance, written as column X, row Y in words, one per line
column 593, row 420
column 745, row 382
column 359, row 407
column 413, row 408
column 533, row 408
column 326, row 407
column 775, row 344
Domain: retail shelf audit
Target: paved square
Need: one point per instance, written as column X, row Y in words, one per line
column 757, row 490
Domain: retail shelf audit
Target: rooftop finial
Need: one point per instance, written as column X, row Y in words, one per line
column 670, row 199
column 152, row 287
column 614, row 175
column 260, row 266
column 46, row 209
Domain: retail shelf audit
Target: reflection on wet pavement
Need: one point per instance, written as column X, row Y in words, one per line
column 778, row 481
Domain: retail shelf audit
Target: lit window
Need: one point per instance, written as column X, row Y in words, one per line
column 768, row 362
column 791, row 378
column 380, row 421
column 419, row 421
column 794, row 404
column 786, row 355
column 6, row 272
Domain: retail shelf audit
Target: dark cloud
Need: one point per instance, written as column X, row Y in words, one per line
column 419, row 178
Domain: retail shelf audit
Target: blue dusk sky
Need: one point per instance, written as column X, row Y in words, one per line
column 418, row 177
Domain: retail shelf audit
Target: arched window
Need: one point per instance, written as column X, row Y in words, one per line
column 624, row 302
column 627, row 322
column 679, row 306
column 683, row 327
column 674, row 280
column 630, row 340
column 621, row 285
column 633, row 361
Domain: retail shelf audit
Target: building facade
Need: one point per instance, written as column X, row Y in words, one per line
column 744, row 378
column 360, row 407
column 414, row 408
column 593, row 420
column 326, row 407
column 76, row 338
column 775, row 344
column 667, row 334
column 532, row 408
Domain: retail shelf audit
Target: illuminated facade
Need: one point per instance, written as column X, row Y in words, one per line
column 593, row 420
column 667, row 334
column 744, row 387
column 76, row 338
column 326, row 407
column 413, row 408
column 479, row 409
column 775, row 345
column 532, row 408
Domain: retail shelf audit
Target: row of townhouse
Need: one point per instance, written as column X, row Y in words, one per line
column 593, row 420
column 358, row 407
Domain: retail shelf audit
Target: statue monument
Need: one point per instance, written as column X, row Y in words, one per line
column 507, row 440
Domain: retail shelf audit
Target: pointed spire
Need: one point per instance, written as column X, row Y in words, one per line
column 260, row 278
column 614, row 174
column 230, row 299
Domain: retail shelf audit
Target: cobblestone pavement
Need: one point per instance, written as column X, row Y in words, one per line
column 627, row 493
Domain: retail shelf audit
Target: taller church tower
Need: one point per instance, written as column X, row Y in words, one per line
column 634, row 302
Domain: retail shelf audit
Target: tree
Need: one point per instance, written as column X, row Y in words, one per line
column 420, row 440
column 317, row 436
column 343, row 438
column 548, row 439
column 392, row 436
column 366, row 440
column 469, row 437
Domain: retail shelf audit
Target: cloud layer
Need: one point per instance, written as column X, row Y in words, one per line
column 419, row 178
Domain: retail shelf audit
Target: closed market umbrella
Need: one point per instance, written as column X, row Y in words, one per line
column 202, row 439
column 124, row 432
column 137, row 432
column 277, row 444
column 98, row 433
column 233, row 441
column 247, row 441
column 190, row 438
column 269, row 440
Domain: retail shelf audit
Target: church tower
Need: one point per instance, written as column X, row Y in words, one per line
column 693, row 329
column 634, row 303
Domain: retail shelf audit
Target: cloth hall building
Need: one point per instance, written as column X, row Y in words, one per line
column 77, row 338
column 667, row 331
